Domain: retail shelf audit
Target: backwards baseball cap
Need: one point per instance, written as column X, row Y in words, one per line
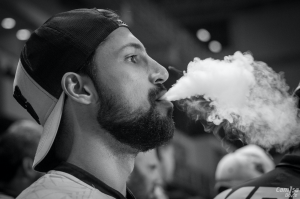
column 62, row 44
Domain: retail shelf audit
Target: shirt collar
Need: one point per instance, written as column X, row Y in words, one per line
column 92, row 180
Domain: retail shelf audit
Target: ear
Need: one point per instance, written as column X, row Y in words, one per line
column 79, row 88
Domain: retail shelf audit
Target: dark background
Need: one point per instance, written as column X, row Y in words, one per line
column 269, row 29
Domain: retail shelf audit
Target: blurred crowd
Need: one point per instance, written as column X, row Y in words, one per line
column 19, row 143
column 17, row 149
column 244, row 171
column 153, row 171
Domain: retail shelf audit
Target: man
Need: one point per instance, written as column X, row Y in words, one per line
column 145, row 181
column 282, row 182
column 89, row 81
column 240, row 166
column 17, row 148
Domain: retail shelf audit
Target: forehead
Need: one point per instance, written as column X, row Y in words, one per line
column 119, row 40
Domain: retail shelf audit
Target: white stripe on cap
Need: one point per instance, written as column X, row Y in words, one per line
column 47, row 107
column 41, row 101
column 49, row 132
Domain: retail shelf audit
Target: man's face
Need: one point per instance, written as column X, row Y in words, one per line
column 145, row 176
column 129, row 84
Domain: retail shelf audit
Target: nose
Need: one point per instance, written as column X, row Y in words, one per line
column 159, row 74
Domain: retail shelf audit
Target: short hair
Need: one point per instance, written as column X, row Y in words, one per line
column 19, row 141
column 88, row 68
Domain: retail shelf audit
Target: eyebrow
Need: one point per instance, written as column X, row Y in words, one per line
column 133, row 45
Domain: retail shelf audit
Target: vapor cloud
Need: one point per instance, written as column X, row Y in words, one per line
column 245, row 97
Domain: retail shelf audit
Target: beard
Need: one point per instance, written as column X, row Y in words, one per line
column 141, row 130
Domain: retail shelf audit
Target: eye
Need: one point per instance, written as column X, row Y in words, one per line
column 132, row 58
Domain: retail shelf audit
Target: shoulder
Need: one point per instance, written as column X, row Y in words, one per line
column 223, row 194
column 275, row 184
column 60, row 185
column 259, row 192
column 240, row 193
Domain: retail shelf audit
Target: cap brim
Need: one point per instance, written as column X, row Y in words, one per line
column 49, row 132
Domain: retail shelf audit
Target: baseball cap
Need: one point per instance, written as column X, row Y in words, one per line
column 244, row 164
column 62, row 44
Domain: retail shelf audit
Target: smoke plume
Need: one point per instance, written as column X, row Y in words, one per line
column 246, row 98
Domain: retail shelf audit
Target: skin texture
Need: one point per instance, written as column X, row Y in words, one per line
column 130, row 113
column 126, row 69
column 128, row 74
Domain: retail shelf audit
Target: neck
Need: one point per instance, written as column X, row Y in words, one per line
column 102, row 156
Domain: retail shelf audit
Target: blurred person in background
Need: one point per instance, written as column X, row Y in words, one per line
column 91, row 84
column 17, row 149
column 166, row 158
column 281, row 182
column 145, row 181
column 240, row 166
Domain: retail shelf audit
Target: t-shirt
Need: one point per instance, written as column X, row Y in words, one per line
column 283, row 182
column 69, row 181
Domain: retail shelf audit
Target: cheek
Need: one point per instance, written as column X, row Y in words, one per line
column 132, row 88
column 137, row 94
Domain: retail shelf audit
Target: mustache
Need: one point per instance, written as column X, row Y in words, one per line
column 154, row 92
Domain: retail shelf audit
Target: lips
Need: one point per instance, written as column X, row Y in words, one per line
column 159, row 97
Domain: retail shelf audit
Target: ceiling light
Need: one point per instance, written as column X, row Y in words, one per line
column 215, row 46
column 23, row 34
column 8, row 23
column 203, row 35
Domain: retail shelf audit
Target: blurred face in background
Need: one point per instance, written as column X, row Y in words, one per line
column 17, row 149
column 145, row 177
column 167, row 162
